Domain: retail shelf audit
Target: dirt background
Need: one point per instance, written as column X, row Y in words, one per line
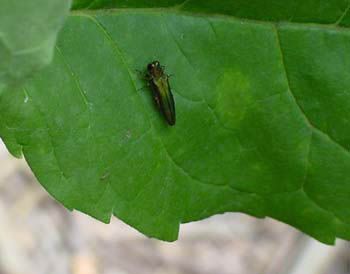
column 39, row 236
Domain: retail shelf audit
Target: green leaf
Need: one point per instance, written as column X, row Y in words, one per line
column 262, row 114
column 28, row 31
column 309, row 11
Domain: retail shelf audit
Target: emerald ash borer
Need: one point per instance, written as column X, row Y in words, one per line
column 158, row 81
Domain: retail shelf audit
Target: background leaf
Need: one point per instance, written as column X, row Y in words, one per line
column 262, row 115
column 28, row 31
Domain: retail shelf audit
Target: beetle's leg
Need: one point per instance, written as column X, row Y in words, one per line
column 143, row 75
column 145, row 86
column 139, row 72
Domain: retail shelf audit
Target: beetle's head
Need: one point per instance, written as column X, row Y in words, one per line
column 155, row 69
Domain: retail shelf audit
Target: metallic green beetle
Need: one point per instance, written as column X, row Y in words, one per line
column 158, row 80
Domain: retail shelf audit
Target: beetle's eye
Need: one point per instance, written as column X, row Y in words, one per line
column 150, row 66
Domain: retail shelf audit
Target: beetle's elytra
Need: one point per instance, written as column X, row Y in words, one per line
column 158, row 81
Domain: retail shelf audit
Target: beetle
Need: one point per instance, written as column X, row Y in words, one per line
column 158, row 81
